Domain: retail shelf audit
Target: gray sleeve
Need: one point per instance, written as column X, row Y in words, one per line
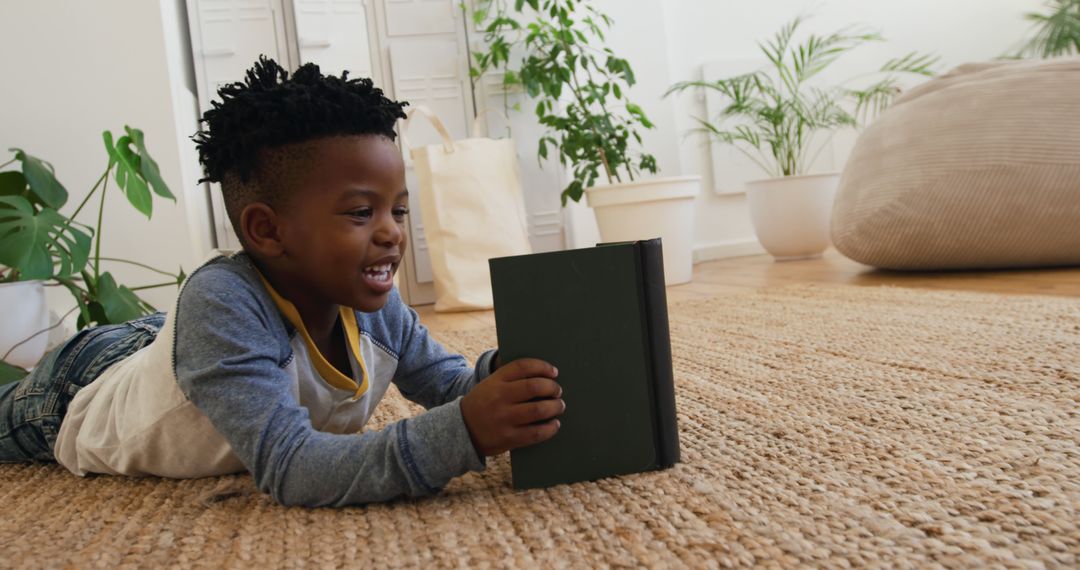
column 229, row 363
column 427, row 373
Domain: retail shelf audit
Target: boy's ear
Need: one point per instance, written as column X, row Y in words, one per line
column 262, row 230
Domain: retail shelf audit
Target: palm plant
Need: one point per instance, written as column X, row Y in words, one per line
column 774, row 116
column 1057, row 31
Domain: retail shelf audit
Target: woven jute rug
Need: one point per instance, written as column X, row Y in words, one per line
column 821, row 426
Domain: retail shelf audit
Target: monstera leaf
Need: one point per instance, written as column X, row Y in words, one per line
column 10, row 373
column 119, row 303
column 136, row 171
column 13, row 183
column 42, row 181
column 147, row 167
column 31, row 241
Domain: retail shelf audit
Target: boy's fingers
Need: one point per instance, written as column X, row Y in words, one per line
column 532, row 412
column 530, row 388
column 540, row 432
column 527, row 368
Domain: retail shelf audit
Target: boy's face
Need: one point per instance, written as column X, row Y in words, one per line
column 344, row 231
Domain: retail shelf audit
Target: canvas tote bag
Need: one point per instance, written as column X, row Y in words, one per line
column 473, row 210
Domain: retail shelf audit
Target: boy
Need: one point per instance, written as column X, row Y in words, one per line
column 274, row 358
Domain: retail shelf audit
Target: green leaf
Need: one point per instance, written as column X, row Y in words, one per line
column 914, row 62
column 564, row 43
column 149, row 168
column 1058, row 31
column 96, row 316
column 13, row 183
column 574, row 192
column 10, row 373
column 43, row 183
column 80, row 300
column 128, row 173
column 637, row 112
column 119, row 303
column 32, row 242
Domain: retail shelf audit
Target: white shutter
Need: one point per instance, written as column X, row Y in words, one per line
column 334, row 35
column 226, row 37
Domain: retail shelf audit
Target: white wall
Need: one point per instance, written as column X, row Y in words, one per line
column 74, row 69
column 689, row 33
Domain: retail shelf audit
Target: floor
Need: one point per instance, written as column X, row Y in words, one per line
column 753, row 272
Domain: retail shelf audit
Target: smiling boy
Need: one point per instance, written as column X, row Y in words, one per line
column 274, row 358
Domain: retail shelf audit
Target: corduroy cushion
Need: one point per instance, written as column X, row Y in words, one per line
column 978, row 168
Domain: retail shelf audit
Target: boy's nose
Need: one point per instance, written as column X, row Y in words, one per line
column 389, row 233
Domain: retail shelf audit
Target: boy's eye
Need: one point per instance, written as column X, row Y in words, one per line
column 366, row 213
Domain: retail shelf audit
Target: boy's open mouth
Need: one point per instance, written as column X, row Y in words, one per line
column 380, row 276
column 379, row 272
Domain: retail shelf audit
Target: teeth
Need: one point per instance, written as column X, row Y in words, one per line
column 380, row 273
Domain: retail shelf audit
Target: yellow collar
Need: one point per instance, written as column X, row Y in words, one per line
column 329, row 374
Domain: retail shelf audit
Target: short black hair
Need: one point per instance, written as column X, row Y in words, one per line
column 256, row 126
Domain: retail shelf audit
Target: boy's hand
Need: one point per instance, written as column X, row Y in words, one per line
column 500, row 414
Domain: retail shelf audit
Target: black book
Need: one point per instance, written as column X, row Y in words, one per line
column 600, row 316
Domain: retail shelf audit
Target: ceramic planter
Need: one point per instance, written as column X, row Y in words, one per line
column 791, row 214
column 24, row 313
column 659, row 207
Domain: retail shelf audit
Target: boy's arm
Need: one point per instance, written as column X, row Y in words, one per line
column 427, row 373
column 227, row 363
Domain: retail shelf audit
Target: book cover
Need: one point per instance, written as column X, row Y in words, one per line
column 600, row 316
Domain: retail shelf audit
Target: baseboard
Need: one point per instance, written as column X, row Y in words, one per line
column 727, row 249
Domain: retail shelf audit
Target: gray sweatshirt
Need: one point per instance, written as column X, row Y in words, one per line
column 233, row 382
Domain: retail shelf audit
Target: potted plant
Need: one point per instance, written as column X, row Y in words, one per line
column 781, row 120
column 40, row 246
column 1057, row 31
column 580, row 87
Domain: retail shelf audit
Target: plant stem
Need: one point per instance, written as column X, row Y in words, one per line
column 97, row 236
column 33, row 336
column 143, row 265
column 69, row 283
column 87, row 199
column 70, row 219
column 78, row 293
column 170, row 283
column 8, row 162
column 756, row 160
column 603, row 107
column 466, row 20
column 575, row 88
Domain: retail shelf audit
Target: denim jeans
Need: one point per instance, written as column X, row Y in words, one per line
column 32, row 409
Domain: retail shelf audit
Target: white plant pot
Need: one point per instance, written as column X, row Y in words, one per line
column 791, row 214
column 25, row 313
column 657, row 208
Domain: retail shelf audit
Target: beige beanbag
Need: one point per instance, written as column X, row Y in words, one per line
column 978, row 168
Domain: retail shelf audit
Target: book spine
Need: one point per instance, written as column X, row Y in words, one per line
column 655, row 296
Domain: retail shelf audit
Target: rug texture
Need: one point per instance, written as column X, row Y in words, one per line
column 821, row 426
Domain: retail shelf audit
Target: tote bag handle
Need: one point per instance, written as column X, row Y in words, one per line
column 448, row 143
